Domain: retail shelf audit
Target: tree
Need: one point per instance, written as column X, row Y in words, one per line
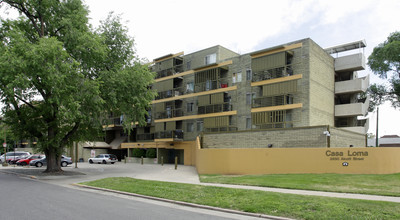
column 385, row 62
column 59, row 78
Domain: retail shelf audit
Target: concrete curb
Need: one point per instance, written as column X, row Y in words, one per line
column 19, row 174
column 193, row 205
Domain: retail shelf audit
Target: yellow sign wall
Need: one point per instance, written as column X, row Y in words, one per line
column 298, row 160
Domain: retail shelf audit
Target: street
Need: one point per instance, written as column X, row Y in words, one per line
column 24, row 198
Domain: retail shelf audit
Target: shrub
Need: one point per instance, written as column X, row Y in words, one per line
column 137, row 152
column 151, row 153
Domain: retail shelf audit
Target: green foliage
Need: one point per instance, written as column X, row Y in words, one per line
column 385, row 62
column 377, row 94
column 138, row 152
column 256, row 201
column 151, row 153
column 59, row 78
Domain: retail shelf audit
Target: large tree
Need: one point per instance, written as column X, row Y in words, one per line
column 60, row 78
column 385, row 62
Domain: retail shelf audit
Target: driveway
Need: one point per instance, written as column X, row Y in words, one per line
column 88, row 172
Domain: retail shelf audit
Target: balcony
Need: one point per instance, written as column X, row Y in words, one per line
column 272, row 101
column 352, row 86
column 352, row 62
column 273, row 73
column 112, row 122
column 145, row 137
column 211, row 85
column 361, row 126
column 352, row 109
column 170, row 93
column 207, row 109
column 175, row 134
column 170, row 71
column 172, row 113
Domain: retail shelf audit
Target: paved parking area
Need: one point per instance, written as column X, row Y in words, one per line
column 88, row 172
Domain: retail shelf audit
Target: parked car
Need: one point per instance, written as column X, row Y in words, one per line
column 15, row 159
column 25, row 161
column 13, row 155
column 103, row 158
column 40, row 162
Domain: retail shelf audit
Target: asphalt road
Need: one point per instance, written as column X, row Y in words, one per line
column 24, row 198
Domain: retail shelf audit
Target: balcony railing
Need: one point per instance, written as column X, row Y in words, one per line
column 352, row 62
column 211, row 85
column 352, row 109
column 113, row 121
column 273, row 73
column 222, row 129
column 352, row 86
column 169, row 72
column 170, row 93
column 272, row 101
column 145, row 137
column 170, row 113
column 224, row 107
column 175, row 134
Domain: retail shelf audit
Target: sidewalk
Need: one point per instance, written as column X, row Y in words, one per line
column 183, row 174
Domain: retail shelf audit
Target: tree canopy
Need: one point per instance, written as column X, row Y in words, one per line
column 60, row 78
column 385, row 62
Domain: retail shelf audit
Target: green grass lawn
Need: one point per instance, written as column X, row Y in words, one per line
column 269, row 203
column 387, row 185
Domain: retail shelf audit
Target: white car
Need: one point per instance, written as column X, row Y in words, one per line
column 103, row 158
column 14, row 155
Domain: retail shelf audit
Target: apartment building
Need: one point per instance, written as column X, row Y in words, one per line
column 216, row 91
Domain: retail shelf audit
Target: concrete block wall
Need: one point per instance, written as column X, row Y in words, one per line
column 322, row 86
column 284, row 138
column 344, row 138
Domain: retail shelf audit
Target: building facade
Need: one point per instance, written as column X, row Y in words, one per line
column 293, row 86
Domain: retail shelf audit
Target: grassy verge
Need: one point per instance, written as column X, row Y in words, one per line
column 277, row 204
column 386, row 185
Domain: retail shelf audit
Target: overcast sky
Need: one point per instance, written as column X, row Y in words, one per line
column 170, row 26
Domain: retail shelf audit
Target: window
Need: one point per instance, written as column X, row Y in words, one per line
column 190, row 107
column 209, row 59
column 189, row 87
column 236, row 77
column 248, row 123
column 249, row 75
column 239, row 77
column 188, row 65
column 189, row 127
column 199, row 125
column 248, row 98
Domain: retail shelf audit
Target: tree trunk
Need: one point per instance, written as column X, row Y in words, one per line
column 53, row 161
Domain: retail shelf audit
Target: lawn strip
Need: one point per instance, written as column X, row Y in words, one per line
column 269, row 203
column 383, row 184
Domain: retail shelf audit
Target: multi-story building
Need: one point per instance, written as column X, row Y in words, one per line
column 215, row 90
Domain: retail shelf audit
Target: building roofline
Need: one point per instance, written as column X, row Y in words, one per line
column 346, row 47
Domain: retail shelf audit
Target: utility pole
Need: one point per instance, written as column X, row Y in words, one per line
column 377, row 116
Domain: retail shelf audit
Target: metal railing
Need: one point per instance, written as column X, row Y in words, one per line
column 170, row 93
column 145, row 137
column 170, row 113
column 272, row 73
column 170, row 71
column 211, row 85
column 175, row 134
column 221, row 129
column 224, row 107
column 113, row 121
column 272, row 101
